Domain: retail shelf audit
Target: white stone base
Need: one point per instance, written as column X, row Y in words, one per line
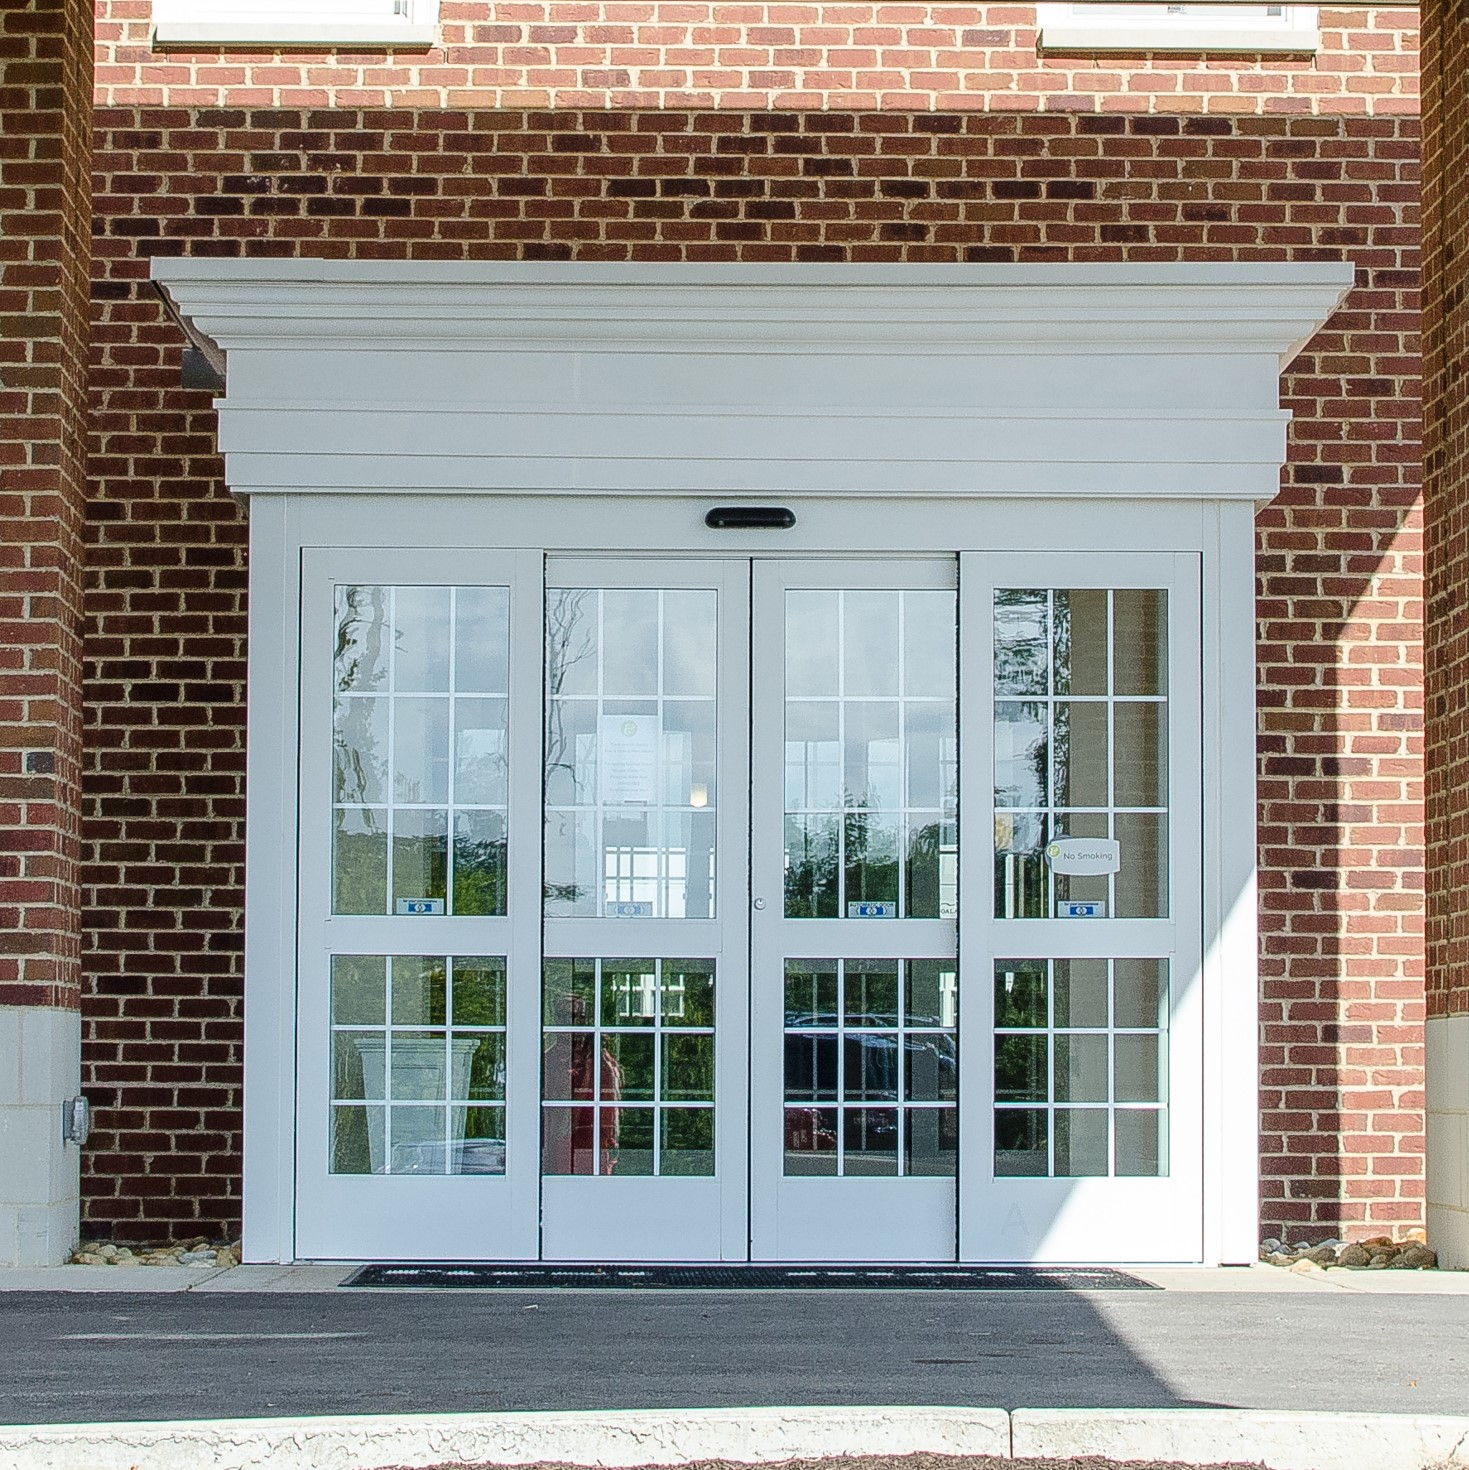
column 1448, row 1139
column 40, row 1069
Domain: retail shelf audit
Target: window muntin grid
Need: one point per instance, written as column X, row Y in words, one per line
column 418, row 1064
column 419, row 738
column 871, row 1067
column 871, row 762
column 1081, row 1067
column 1081, row 746
column 627, row 1067
column 630, row 752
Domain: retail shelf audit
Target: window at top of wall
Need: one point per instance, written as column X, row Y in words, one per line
column 296, row 22
column 1141, row 27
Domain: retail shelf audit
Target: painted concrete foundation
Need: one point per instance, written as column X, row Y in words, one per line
column 40, row 1069
column 1448, row 1139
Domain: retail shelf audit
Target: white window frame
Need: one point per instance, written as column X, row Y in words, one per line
column 257, row 22
column 1145, row 27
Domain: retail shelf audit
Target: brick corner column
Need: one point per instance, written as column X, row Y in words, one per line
column 45, row 232
column 1446, row 633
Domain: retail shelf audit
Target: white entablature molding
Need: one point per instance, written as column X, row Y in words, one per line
column 1157, row 380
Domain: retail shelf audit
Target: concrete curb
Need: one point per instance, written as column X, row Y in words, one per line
column 628, row 1437
column 1281, row 1440
column 621, row 1437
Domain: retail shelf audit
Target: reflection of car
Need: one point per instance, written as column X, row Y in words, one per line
column 871, row 1060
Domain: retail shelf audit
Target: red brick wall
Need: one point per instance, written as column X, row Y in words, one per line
column 1341, row 905
column 1446, row 484
column 864, row 56
column 45, row 90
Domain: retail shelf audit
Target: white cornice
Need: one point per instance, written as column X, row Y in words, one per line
column 1096, row 380
column 963, row 309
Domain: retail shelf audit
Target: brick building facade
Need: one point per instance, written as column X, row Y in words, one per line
column 823, row 134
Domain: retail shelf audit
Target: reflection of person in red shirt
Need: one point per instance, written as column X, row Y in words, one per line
column 569, row 1064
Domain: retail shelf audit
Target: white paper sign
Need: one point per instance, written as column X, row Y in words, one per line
column 1084, row 857
column 627, row 759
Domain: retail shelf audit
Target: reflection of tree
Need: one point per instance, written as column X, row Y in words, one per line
column 571, row 641
column 1020, row 640
column 872, row 854
column 479, row 875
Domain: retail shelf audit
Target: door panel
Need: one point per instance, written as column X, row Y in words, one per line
column 854, row 981
column 644, row 983
column 416, row 1016
column 1081, row 1026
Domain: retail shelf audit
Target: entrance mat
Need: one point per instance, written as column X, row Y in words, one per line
column 483, row 1275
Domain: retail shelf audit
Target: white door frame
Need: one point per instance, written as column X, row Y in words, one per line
column 606, row 407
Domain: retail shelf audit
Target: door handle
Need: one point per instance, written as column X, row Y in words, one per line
column 759, row 903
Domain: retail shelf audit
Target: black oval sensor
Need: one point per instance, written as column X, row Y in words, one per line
column 750, row 517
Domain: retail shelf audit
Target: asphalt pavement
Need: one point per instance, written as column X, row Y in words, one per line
column 87, row 1356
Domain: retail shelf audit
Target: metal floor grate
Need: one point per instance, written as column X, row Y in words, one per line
column 750, row 1278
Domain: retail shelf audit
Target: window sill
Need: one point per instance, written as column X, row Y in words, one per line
column 298, row 33
column 1264, row 41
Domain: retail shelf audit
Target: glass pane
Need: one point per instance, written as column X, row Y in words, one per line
column 1137, row 1061
column 1081, row 1068
column 930, row 1067
column 357, row 1140
column 1021, row 874
column 928, row 644
column 810, row 1066
column 688, row 1068
column 687, row 995
column 572, row 641
column 931, row 1142
column 1021, row 1142
column 360, row 750
column 931, row 996
column 813, row 756
column 811, row 855
column 870, row 623
column 1080, row 641
column 483, row 1058
column 810, row 1141
column 418, row 991
column 420, row 855
column 482, row 641
column 421, row 638
column 872, row 858
column 627, row 1140
column 1020, row 993
column 569, row 992
column 1140, row 992
column 1081, row 1142
column 360, row 657
column 870, row 1067
column 688, row 641
column 1137, row 1142
column 480, row 742
column 686, row 1146
column 359, row 990
column 569, row 1067
column 871, row 993
column 627, row 1068
column 629, row 993
column 351, row 1080
column 1021, row 642
column 1141, row 759
column 476, row 1140
column 1081, row 752
column 479, row 862
column 1081, row 992
column 1020, row 1069
column 870, row 1141
column 1142, row 880
column 360, row 862
column 418, row 1066
column 418, row 1140
column 811, row 992
column 630, row 628
column 812, row 642
column 1140, row 636
column 568, row 1140
column 1022, row 754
